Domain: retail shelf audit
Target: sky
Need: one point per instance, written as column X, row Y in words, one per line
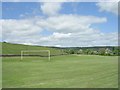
column 60, row 24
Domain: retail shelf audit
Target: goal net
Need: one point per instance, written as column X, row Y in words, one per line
column 35, row 53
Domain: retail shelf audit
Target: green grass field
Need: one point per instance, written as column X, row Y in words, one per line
column 9, row 48
column 61, row 72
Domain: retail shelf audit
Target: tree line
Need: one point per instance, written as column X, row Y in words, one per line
column 106, row 51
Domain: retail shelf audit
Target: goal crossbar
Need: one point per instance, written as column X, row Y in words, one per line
column 35, row 51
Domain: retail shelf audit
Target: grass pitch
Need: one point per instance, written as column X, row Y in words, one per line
column 61, row 72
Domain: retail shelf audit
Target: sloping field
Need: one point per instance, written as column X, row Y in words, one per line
column 67, row 71
column 61, row 72
column 8, row 48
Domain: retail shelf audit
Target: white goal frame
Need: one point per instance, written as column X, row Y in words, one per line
column 35, row 51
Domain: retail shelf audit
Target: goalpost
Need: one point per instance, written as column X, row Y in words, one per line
column 34, row 51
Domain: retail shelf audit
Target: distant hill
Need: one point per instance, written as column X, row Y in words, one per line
column 15, row 49
column 9, row 48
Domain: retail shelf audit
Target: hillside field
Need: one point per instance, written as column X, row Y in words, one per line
column 70, row 71
column 9, row 48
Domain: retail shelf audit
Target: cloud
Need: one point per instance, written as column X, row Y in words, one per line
column 20, row 27
column 68, row 30
column 111, row 7
column 51, row 8
column 69, row 23
column 19, row 31
column 60, row 35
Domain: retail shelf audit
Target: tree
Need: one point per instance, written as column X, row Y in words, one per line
column 101, row 51
column 95, row 52
column 66, row 51
column 88, row 51
column 116, row 51
column 108, row 52
column 80, row 51
column 71, row 51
